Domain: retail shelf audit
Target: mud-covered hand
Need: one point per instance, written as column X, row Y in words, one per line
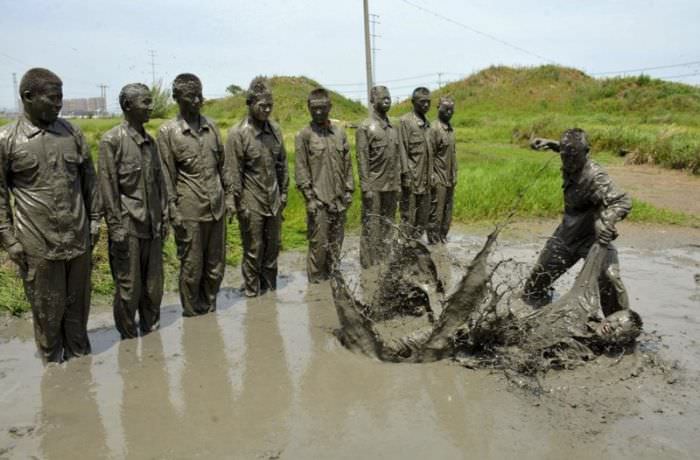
column 18, row 256
column 119, row 239
column 605, row 232
column 347, row 198
column 312, row 205
column 368, row 195
column 94, row 234
column 164, row 229
column 283, row 199
column 230, row 208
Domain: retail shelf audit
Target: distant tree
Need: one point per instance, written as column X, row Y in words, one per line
column 161, row 100
column 234, row 89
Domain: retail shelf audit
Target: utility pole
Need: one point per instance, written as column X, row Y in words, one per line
column 103, row 95
column 368, row 53
column 15, row 93
column 152, row 53
column 374, row 20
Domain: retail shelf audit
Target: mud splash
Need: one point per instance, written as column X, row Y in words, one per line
column 266, row 378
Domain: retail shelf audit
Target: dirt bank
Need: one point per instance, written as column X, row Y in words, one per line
column 266, row 378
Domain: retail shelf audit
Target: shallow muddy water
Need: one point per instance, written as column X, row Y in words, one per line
column 266, row 378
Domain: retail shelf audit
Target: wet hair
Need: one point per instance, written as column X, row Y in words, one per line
column 130, row 91
column 420, row 91
column 258, row 89
column 629, row 335
column 34, row 80
column 184, row 80
column 447, row 99
column 374, row 92
column 575, row 137
column 319, row 94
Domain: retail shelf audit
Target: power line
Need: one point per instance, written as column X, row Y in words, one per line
column 644, row 69
column 152, row 53
column 374, row 20
column 477, row 31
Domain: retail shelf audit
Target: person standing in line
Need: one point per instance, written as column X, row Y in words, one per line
column 443, row 146
column 49, row 215
column 199, row 196
column 415, row 196
column 381, row 166
column 324, row 176
column 259, row 183
column 135, row 205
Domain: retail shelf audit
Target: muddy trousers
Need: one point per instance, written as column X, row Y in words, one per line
column 415, row 212
column 556, row 258
column 378, row 215
column 442, row 198
column 260, row 236
column 59, row 294
column 137, row 269
column 202, row 256
column 325, row 231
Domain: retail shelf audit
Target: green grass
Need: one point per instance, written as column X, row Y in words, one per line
column 498, row 110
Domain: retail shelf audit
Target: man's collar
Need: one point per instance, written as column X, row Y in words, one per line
column 135, row 135
column 260, row 129
column 384, row 121
column 420, row 119
column 30, row 130
column 184, row 126
column 446, row 125
column 325, row 126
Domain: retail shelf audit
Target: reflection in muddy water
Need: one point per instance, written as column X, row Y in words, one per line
column 266, row 378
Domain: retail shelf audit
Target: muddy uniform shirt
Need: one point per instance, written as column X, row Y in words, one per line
column 419, row 157
column 442, row 138
column 379, row 155
column 132, row 183
column 589, row 195
column 323, row 167
column 259, row 173
column 52, row 178
column 195, row 169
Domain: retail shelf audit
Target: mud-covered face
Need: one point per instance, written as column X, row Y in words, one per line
column 190, row 99
column 421, row 104
column 319, row 110
column 261, row 108
column 572, row 157
column 45, row 104
column 619, row 327
column 382, row 101
column 140, row 106
column 445, row 111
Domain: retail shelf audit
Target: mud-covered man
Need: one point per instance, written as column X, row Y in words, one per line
column 592, row 207
column 135, row 205
column 381, row 167
column 49, row 215
column 199, row 196
column 259, row 182
column 415, row 195
column 444, row 180
column 324, row 176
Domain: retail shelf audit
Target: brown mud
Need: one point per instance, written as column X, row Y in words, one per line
column 266, row 378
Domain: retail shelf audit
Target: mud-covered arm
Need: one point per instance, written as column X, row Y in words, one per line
column 404, row 131
column 162, row 182
column 615, row 204
column 167, row 160
column 282, row 169
column 225, row 171
column 302, row 169
column 108, row 181
column 349, row 178
column 362, row 149
column 7, row 232
column 234, row 151
column 88, row 183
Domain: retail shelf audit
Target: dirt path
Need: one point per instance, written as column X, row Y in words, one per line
column 663, row 188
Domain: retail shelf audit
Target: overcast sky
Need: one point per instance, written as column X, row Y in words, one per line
column 94, row 42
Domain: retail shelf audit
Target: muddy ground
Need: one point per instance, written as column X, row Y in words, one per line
column 266, row 378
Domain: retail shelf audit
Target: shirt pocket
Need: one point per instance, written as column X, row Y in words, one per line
column 72, row 160
column 25, row 166
column 377, row 148
column 416, row 143
column 129, row 178
column 186, row 161
column 316, row 148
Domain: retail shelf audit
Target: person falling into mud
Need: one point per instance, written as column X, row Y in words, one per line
column 561, row 334
column 592, row 207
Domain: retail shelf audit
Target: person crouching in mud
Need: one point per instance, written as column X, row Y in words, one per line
column 592, row 207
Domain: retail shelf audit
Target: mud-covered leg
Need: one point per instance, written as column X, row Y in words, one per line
column 437, row 208
column 190, row 254
column 152, row 282
column 554, row 260
column 44, row 286
column 126, row 271
column 75, row 336
column 336, row 236
column 250, row 224
column 214, row 264
column 318, row 236
column 272, row 234
column 447, row 213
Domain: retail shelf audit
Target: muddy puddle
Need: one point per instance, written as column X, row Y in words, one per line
column 266, row 378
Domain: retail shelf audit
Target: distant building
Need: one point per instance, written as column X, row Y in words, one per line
column 84, row 107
